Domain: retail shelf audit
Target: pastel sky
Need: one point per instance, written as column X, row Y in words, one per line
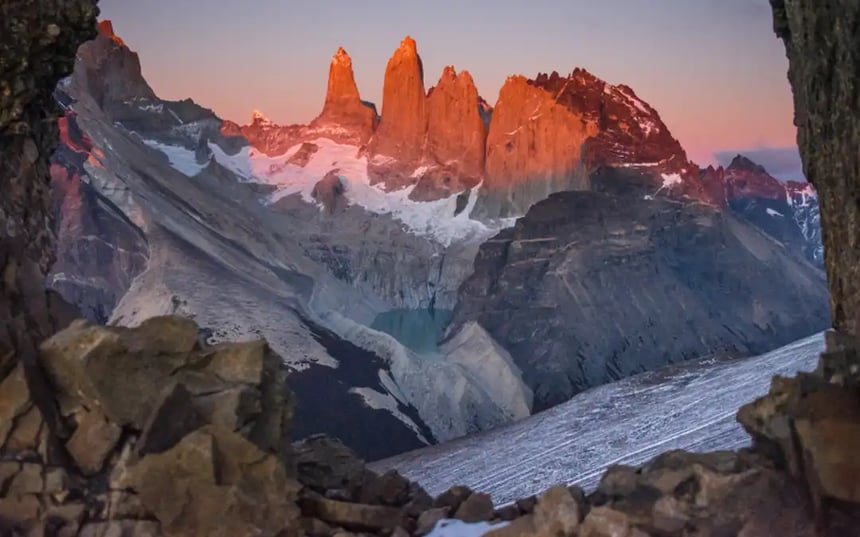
column 712, row 68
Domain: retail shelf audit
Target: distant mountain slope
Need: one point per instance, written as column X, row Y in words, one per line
column 313, row 236
column 153, row 223
column 592, row 287
column 786, row 211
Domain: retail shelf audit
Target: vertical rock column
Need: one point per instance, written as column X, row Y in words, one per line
column 822, row 42
column 810, row 425
column 343, row 106
column 455, row 130
column 38, row 42
column 401, row 128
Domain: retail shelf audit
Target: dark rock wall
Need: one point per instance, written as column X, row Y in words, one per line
column 822, row 41
column 38, row 41
column 99, row 251
column 592, row 287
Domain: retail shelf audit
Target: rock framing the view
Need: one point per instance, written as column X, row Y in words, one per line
column 192, row 440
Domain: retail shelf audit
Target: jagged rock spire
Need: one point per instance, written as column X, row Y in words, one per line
column 455, row 130
column 343, row 106
column 404, row 120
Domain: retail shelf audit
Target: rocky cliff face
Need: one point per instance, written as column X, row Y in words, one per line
column 345, row 118
column 405, row 272
column 266, row 136
column 534, row 147
column 108, row 73
column 403, row 121
column 102, row 245
column 455, row 130
column 587, row 287
column 551, row 133
column 746, row 179
column 350, row 118
column 99, row 250
column 803, row 199
column 631, row 131
column 434, row 141
column 820, row 43
column 455, row 139
column 39, row 39
column 786, row 211
column 114, row 73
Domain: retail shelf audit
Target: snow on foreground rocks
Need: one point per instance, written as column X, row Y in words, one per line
column 458, row 528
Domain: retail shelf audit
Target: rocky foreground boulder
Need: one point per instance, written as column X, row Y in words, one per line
column 145, row 431
column 38, row 41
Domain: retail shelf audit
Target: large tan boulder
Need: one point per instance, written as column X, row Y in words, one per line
column 215, row 482
column 122, row 373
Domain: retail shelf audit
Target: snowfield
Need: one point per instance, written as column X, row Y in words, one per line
column 671, row 180
column 690, row 406
column 181, row 159
column 435, row 219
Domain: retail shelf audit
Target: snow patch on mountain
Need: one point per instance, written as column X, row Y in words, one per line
column 639, row 164
column 156, row 108
column 385, row 401
column 670, row 180
column 804, row 196
column 632, row 101
column 435, row 219
column 181, row 159
column 382, row 160
column 803, row 201
column 421, row 170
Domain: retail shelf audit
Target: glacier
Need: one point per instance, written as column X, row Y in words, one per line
column 690, row 406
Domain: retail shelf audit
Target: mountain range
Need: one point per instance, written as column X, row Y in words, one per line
column 435, row 267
